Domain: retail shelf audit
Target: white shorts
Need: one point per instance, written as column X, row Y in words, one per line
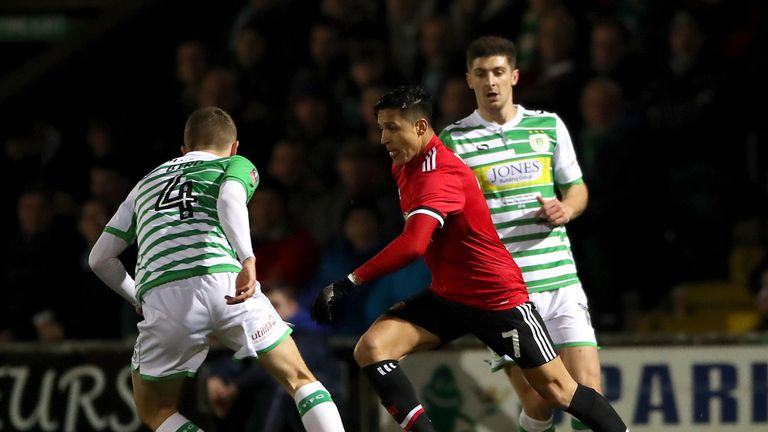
column 565, row 312
column 180, row 316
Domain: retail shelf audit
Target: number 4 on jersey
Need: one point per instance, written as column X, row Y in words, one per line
column 183, row 199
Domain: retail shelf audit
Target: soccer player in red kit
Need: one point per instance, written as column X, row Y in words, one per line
column 476, row 286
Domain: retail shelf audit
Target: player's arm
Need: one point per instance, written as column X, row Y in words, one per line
column 411, row 244
column 233, row 215
column 568, row 178
column 105, row 264
column 117, row 235
column 575, row 196
column 558, row 212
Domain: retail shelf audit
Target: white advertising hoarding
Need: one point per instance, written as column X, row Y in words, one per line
column 655, row 389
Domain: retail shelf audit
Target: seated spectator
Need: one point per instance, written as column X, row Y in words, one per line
column 285, row 252
column 34, row 259
column 244, row 396
column 360, row 238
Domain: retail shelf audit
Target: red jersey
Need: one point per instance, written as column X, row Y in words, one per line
column 469, row 264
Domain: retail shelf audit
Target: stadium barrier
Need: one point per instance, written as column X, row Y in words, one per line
column 658, row 384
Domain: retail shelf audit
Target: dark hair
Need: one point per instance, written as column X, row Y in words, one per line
column 487, row 46
column 413, row 101
column 209, row 127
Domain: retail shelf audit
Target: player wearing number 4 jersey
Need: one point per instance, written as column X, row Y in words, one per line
column 519, row 157
column 196, row 277
column 476, row 286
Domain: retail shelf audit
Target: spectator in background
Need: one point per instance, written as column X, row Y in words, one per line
column 106, row 320
column 191, row 68
column 245, row 397
column 609, row 149
column 360, row 238
column 554, row 82
column 109, row 181
column 611, row 56
column 368, row 97
column 437, row 53
column 684, row 112
column 455, row 101
column 474, row 18
column 528, row 38
column 404, row 19
column 257, row 86
column 34, row 258
column 219, row 88
column 312, row 120
column 368, row 66
column 285, row 252
column 327, row 61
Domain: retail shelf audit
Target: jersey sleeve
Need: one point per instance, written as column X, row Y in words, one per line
column 445, row 137
column 123, row 222
column 242, row 170
column 437, row 194
column 566, row 167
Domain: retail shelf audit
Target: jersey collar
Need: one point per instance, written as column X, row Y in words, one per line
column 510, row 124
column 199, row 154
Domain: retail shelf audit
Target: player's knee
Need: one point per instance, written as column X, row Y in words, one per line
column 555, row 396
column 367, row 351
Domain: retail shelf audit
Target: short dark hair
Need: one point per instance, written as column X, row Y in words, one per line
column 487, row 46
column 209, row 127
column 413, row 101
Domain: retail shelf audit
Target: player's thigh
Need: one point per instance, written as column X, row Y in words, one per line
column 518, row 333
column 583, row 363
column 285, row 363
column 390, row 338
column 249, row 328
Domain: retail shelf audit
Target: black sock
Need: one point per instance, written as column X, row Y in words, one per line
column 594, row 411
column 397, row 396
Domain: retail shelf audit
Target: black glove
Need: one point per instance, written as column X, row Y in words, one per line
column 327, row 306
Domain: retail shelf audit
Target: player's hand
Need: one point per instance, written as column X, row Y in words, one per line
column 327, row 306
column 554, row 212
column 245, row 283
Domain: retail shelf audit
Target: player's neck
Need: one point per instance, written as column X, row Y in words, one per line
column 500, row 116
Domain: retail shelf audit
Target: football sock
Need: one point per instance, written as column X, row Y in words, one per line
column 317, row 410
column 594, row 411
column 177, row 423
column 397, row 396
column 528, row 424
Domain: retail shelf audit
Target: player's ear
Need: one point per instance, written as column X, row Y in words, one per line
column 233, row 149
column 184, row 150
column 421, row 126
column 515, row 76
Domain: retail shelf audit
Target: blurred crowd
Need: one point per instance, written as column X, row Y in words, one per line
column 664, row 101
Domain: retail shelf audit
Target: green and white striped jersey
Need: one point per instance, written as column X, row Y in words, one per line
column 171, row 214
column 514, row 163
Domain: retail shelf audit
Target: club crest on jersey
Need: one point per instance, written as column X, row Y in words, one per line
column 539, row 142
column 254, row 176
